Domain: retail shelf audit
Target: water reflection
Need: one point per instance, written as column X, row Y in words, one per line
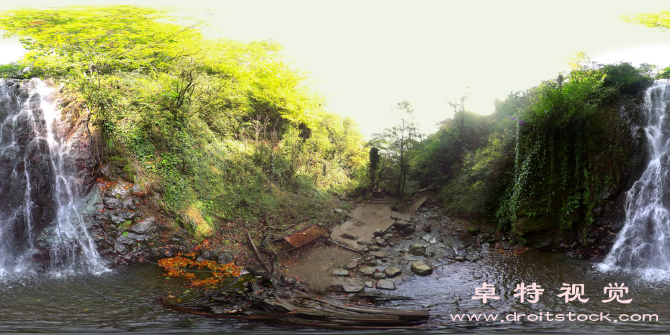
column 34, row 304
column 450, row 290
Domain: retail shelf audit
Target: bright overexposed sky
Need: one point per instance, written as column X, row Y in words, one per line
column 366, row 56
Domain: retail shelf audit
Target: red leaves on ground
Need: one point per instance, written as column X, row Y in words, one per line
column 177, row 267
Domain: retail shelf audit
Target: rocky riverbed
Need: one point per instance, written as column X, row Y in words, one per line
column 413, row 245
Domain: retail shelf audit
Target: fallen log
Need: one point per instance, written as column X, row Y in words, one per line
column 305, row 309
column 402, row 313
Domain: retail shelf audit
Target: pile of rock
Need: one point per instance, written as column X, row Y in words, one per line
column 403, row 250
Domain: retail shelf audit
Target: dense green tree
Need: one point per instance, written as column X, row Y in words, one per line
column 398, row 143
column 212, row 124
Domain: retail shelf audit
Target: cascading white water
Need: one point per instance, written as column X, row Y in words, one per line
column 643, row 244
column 39, row 218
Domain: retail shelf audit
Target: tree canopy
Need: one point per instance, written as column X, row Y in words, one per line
column 211, row 123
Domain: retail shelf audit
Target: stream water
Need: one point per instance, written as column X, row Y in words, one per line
column 627, row 292
column 66, row 304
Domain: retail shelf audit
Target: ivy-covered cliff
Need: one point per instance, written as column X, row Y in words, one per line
column 550, row 165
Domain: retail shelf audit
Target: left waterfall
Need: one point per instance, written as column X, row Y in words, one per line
column 40, row 224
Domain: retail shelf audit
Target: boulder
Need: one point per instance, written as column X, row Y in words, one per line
column 378, row 254
column 366, row 270
column 352, row 285
column 352, row 264
column 379, row 275
column 405, row 227
column 385, row 284
column 350, row 236
column 144, row 226
column 392, row 272
column 417, row 249
column 257, row 270
column 421, row 269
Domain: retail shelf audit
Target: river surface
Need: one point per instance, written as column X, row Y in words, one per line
column 48, row 304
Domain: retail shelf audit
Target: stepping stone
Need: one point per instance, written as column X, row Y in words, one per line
column 353, row 286
column 417, row 249
column 392, row 272
column 352, row 264
column 385, row 284
column 379, row 275
column 421, row 269
column 366, row 270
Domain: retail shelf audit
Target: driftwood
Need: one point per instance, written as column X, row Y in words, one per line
column 305, row 309
column 377, row 297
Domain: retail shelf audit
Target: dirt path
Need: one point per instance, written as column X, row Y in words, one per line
column 367, row 218
column 314, row 266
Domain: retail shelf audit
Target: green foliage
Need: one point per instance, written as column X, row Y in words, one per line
column 550, row 151
column 546, row 172
column 665, row 74
column 471, row 192
column 222, row 129
column 570, row 146
column 14, row 70
column 625, row 77
column 466, row 159
column 399, row 144
column 659, row 20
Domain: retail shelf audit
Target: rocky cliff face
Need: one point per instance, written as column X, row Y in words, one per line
column 120, row 214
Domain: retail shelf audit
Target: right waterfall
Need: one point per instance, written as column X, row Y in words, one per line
column 643, row 244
